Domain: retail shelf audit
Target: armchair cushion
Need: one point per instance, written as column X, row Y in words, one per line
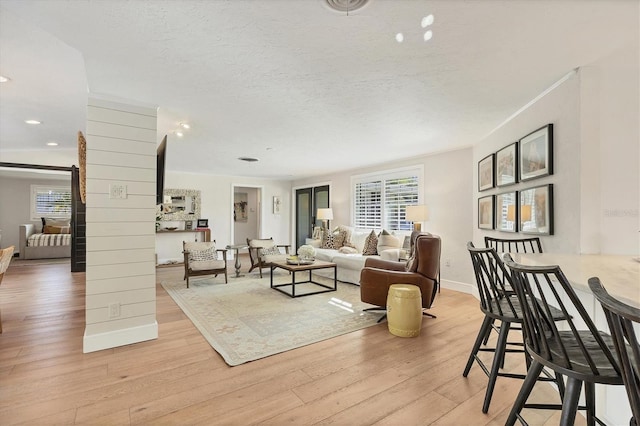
column 201, row 251
column 205, row 265
column 387, row 241
column 273, row 250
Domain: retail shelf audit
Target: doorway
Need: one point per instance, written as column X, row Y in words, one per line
column 247, row 213
column 308, row 201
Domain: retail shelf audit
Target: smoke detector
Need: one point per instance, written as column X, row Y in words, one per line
column 345, row 6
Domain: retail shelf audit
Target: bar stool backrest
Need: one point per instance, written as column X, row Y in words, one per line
column 570, row 351
column 522, row 245
column 494, row 283
column 621, row 319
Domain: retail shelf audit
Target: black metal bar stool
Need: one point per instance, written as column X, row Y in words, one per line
column 583, row 356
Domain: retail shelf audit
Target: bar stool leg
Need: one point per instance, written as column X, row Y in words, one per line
column 570, row 402
column 590, row 402
column 532, row 377
column 497, row 361
column 485, row 329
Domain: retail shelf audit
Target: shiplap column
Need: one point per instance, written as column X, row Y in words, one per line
column 120, row 277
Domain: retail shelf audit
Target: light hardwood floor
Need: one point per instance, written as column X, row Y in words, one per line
column 362, row 378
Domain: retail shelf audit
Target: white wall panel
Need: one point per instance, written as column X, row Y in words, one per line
column 122, row 159
column 110, row 285
column 95, row 215
column 120, row 231
column 119, row 243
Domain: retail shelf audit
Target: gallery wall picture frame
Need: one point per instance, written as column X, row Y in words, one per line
column 506, row 208
column 536, row 154
column 507, row 165
column 485, row 172
column 536, row 210
column 203, row 223
column 277, row 204
column 188, row 224
column 485, row 212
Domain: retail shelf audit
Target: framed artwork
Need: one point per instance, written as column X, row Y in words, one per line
column 536, row 210
column 188, row 224
column 485, row 173
column 240, row 203
column 506, row 211
column 203, row 223
column 536, row 154
column 277, row 204
column 507, row 165
column 485, row 212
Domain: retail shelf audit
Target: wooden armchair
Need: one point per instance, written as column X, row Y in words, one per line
column 202, row 258
column 263, row 252
column 5, row 258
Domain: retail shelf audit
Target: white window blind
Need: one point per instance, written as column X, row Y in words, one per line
column 380, row 200
column 50, row 201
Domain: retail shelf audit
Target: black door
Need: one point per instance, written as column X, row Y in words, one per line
column 308, row 201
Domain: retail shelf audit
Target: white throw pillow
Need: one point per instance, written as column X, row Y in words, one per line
column 387, row 241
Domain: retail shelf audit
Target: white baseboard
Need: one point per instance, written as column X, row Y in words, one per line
column 461, row 287
column 112, row 339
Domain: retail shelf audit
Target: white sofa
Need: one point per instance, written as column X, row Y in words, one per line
column 350, row 265
column 48, row 246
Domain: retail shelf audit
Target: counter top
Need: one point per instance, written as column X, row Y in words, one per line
column 620, row 275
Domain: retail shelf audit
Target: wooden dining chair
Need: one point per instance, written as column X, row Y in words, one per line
column 621, row 319
column 5, row 258
column 498, row 304
column 520, row 245
column 583, row 356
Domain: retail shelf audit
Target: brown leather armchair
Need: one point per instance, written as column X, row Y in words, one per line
column 423, row 271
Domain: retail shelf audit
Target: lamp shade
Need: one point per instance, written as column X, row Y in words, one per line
column 511, row 213
column 325, row 214
column 416, row 213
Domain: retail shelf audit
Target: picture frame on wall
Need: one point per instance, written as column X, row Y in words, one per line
column 536, row 154
column 203, row 223
column 277, row 204
column 188, row 225
column 485, row 173
column 506, row 209
column 485, row 212
column 536, row 210
column 507, row 165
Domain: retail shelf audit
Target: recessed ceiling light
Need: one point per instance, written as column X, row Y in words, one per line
column 428, row 35
column 32, row 121
column 179, row 133
column 248, row 159
column 52, row 143
column 426, row 21
column 185, row 125
column 399, row 37
column 4, row 79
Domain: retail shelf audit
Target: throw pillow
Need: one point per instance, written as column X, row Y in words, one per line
column 54, row 229
column 387, row 241
column 347, row 250
column 268, row 251
column 203, row 255
column 370, row 245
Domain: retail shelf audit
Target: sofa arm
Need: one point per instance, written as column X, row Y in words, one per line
column 25, row 231
column 376, row 262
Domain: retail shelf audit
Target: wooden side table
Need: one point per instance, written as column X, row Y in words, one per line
column 236, row 248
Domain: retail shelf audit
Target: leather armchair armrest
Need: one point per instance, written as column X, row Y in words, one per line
column 374, row 262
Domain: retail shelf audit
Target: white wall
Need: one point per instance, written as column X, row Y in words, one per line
column 447, row 193
column 121, row 151
column 596, row 158
column 217, row 203
column 15, row 207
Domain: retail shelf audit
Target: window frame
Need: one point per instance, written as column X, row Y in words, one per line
column 35, row 189
column 383, row 177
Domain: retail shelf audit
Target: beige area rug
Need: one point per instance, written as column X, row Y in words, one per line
column 246, row 320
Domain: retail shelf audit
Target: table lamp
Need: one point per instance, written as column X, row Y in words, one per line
column 325, row 215
column 417, row 215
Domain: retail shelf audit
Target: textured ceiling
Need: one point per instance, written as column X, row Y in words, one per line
column 303, row 88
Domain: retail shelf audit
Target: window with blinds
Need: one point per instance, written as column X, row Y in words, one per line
column 380, row 201
column 50, row 201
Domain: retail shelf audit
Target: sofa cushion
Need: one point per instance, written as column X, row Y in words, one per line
column 387, row 241
column 325, row 254
column 358, row 239
column 347, row 250
column 206, row 265
column 371, row 245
